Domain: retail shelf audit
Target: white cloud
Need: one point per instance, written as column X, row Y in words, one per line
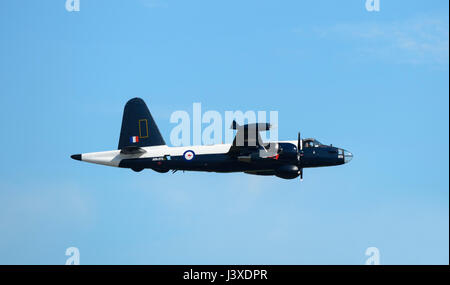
column 418, row 41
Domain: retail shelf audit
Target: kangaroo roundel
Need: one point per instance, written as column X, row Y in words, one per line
column 189, row 155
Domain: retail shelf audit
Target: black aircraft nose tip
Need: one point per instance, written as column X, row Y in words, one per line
column 76, row 156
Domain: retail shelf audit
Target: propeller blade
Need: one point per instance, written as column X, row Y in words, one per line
column 299, row 148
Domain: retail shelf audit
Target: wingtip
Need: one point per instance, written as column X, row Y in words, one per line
column 76, row 156
column 234, row 125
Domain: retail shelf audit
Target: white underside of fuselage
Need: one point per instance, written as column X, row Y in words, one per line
column 114, row 157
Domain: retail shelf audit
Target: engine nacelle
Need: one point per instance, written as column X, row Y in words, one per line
column 287, row 151
column 287, row 172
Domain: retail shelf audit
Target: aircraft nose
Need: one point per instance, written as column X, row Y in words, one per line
column 347, row 156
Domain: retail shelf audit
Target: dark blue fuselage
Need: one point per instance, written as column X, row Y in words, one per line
column 317, row 156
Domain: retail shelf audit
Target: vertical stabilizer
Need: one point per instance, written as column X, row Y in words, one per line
column 138, row 127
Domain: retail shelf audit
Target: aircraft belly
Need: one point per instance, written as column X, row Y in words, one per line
column 206, row 162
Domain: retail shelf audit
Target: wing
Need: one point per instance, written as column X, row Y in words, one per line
column 248, row 138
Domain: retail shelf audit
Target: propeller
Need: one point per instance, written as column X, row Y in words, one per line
column 299, row 149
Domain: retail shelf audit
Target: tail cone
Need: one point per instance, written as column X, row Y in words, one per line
column 76, row 156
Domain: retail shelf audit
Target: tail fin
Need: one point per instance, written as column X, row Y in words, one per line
column 138, row 127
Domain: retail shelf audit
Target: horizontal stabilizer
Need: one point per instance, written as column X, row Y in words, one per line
column 132, row 150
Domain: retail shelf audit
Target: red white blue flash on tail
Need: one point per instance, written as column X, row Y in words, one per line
column 134, row 139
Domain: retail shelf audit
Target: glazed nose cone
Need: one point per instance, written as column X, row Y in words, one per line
column 347, row 156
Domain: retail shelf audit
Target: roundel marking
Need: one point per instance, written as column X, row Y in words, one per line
column 188, row 155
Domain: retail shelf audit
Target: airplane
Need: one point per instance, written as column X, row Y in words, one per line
column 141, row 146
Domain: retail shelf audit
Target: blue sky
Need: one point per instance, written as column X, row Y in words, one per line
column 373, row 83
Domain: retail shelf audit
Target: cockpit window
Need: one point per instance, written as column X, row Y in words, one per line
column 311, row 143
